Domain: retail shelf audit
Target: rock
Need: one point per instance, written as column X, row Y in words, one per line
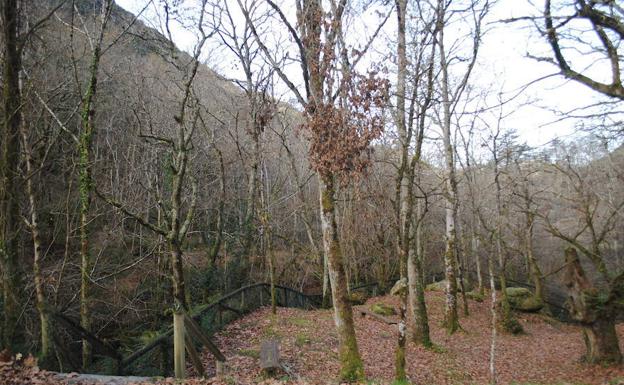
column 358, row 298
column 475, row 296
column 522, row 299
column 400, row 287
column 437, row 286
column 518, row 292
column 383, row 309
column 440, row 286
column 527, row 304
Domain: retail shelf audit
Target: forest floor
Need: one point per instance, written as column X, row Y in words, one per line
column 549, row 352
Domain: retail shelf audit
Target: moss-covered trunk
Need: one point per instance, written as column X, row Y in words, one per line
column 85, row 182
column 85, row 185
column 177, row 276
column 418, row 307
column 601, row 342
column 351, row 368
column 595, row 311
column 9, row 164
column 215, row 247
column 451, row 320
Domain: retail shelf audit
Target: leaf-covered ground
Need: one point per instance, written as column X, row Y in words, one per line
column 548, row 353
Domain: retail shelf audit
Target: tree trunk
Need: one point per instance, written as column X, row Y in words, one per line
column 601, row 342
column 9, row 163
column 474, row 247
column 216, row 245
column 451, row 320
column 418, row 307
column 596, row 316
column 252, row 191
column 85, row 185
column 85, row 182
column 494, row 322
column 400, row 375
column 351, row 368
column 177, row 276
column 45, row 355
column 507, row 318
column 462, row 285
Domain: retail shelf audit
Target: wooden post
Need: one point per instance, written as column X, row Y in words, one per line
column 220, row 366
column 195, row 359
column 179, row 361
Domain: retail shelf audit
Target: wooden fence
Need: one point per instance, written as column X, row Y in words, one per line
column 212, row 317
column 209, row 318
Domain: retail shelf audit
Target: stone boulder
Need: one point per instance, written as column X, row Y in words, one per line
column 437, row 286
column 522, row 299
column 383, row 309
column 440, row 286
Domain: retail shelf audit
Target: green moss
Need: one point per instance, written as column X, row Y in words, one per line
column 475, row 296
column 436, row 348
column 383, row 309
column 517, row 292
column 385, row 335
column 508, row 321
column 437, row 286
column 351, row 369
column 302, row 322
column 529, row 304
column 302, row 339
column 351, row 366
column 399, row 365
column 249, row 353
column 270, row 332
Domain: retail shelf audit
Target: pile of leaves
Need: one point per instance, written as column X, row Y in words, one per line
column 17, row 370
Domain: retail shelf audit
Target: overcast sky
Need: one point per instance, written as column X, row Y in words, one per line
column 504, row 66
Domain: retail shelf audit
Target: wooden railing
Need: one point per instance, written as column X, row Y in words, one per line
column 208, row 318
column 214, row 316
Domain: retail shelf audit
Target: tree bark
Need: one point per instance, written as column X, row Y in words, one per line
column 418, row 306
column 9, row 164
column 177, row 276
column 451, row 319
column 45, row 355
column 85, row 182
column 494, row 322
column 597, row 316
column 351, row 367
column 216, row 244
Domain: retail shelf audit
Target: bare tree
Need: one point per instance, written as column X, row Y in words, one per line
column 562, row 31
column 584, row 217
column 179, row 144
column 339, row 133
column 450, row 94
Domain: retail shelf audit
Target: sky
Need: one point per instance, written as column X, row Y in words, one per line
column 504, row 67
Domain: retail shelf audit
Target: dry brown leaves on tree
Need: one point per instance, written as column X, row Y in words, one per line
column 340, row 136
